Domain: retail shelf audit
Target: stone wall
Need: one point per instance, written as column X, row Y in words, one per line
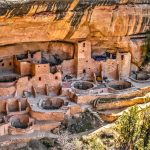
column 38, row 69
column 110, row 69
column 85, row 64
column 6, row 64
column 68, row 67
column 23, row 68
column 122, row 104
column 124, row 64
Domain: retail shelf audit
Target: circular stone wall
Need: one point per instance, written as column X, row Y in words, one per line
column 20, row 121
column 8, row 80
column 140, row 76
column 52, row 103
column 83, row 85
column 120, row 85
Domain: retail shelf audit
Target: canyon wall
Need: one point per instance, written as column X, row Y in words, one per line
column 108, row 24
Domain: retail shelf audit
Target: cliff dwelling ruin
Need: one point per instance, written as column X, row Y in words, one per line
column 57, row 61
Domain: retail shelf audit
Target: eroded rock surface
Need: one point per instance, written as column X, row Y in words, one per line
column 100, row 20
column 113, row 24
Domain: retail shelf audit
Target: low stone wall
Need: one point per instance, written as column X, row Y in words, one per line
column 46, row 126
column 8, row 129
column 122, row 103
column 7, row 91
column 128, row 94
column 14, row 131
column 51, row 115
column 83, row 99
column 12, row 106
column 140, row 81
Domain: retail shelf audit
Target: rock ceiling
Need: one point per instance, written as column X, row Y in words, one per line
column 107, row 21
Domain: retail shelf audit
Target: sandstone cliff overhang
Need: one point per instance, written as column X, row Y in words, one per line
column 72, row 20
column 11, row 8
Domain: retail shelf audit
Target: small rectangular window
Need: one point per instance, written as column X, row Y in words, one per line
column 83, row 44
column 122, row 57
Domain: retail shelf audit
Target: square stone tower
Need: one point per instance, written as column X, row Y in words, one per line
column 124, row 63
column 83, row 59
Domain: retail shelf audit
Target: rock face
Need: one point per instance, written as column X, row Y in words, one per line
column 111, row 24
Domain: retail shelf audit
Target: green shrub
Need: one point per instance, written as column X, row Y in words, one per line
column 134, row 129
column 93, row 144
